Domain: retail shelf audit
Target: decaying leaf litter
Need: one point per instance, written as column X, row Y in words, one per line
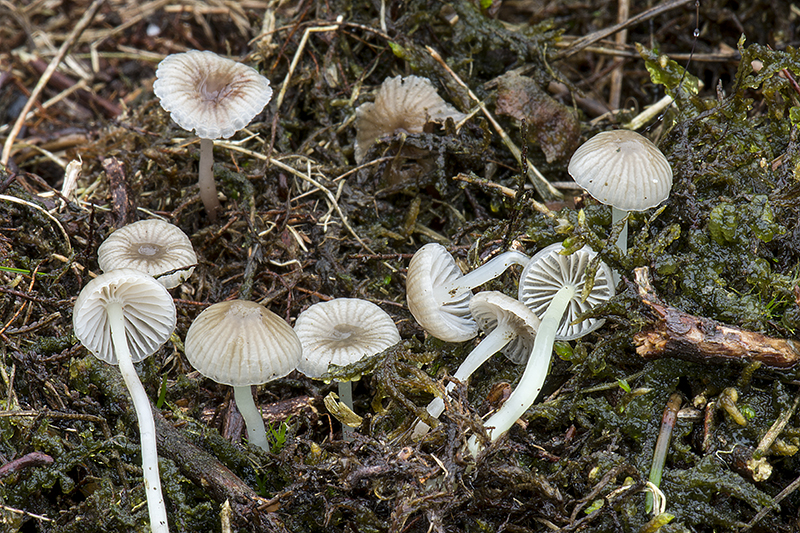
column 302, row 223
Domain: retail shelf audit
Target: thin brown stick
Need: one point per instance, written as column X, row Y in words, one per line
column 623, row 11
column 629, row 51
column 51, row 68
column 593, row 37
column 790, row 488
column 540, row 183
column 674, row 333
column 506, row 191
column 24, row 304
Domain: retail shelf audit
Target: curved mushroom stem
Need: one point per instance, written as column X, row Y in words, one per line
column 535, row 373
column 496, row 266
column 256, row 431
column 208, row 189
column 147, row 427
column 490, row 345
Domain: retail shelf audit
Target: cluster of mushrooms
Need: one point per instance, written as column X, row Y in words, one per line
column 619, row 168
column 126, row 314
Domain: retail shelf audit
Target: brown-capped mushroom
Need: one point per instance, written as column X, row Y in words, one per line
column 214, row 96
column 401, row 105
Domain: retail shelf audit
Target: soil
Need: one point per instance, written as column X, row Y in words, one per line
column 301, row 222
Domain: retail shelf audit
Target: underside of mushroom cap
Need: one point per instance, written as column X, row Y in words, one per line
column 623, row 169
column 341, row 332
column 155, row 247
column 149, row 311
column 549, row 271
column 401, row 105
column 241, row 343
column 433, row 266
column 212, row 95
column 490, row 308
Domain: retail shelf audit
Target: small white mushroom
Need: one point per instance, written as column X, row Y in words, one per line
column 550, row 272
column 341, row 332
column 561, row 279
column 214, row 96
column 509, row 325
column 241, row 343
column 122, row 317
column 155, row 247
column 624, row 170
column 438, row 293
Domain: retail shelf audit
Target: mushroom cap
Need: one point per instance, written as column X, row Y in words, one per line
column 433, row 266
column 622, row 169
column 241, row 343
column 148, row 308
column 490, row 308
column 402, row 104
column 549, row 271
column 155, row 247
column 340, row 332
column 210, row 94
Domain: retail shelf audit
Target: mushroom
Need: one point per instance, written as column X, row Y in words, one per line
column 341, row 332
column 401, row 105
column 123, row 317
column 510, row 326
column 155, row 247
column 551, row 285
column 241, row 343
column 438, row 293
column 214, row 96
column 624, row 170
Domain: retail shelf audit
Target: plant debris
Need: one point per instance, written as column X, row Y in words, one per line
column 301, row 222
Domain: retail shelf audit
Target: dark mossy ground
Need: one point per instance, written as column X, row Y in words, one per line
column 725, row 246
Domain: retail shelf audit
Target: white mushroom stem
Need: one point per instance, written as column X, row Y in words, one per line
column 496, row 266
column 147, row 427
column 490, row 345
column 346, row 397
column 616, row 216
column 256, row 431
column 535, row 371
column 208, row 189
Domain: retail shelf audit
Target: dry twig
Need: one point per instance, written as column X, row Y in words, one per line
column 543, row 187
column 51, row 68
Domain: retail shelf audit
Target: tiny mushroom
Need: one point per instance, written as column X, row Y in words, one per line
column 438, row 293
column 155, row 247
column 561, row 280
column 122, row 317
column 510, row 326
column 341, row 332
column 242, row 343
column 214, row 96
column 624, row 170
column 401, row 105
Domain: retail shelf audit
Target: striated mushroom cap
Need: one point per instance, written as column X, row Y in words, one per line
column 548, row 271
column 401, row 105
column 433, row 266
column 241, row 343
column 212, row 95
column 341, row 332
column 622, row 169
column 148, row 308
column 490, row 308
column 155, row 247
